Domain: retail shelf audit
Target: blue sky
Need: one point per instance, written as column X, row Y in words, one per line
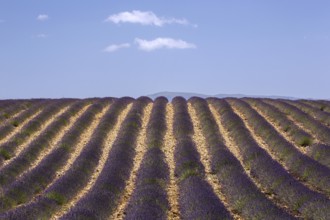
column 116, row 48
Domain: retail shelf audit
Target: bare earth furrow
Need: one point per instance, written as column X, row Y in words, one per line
column 200, row 142
column 169, row 148
column 228, row 141
column 19, row 127
column 36, row 135
column 270, row 174
column 306, row 170
column 140, row 151
column 105, row 152
column 54, row 142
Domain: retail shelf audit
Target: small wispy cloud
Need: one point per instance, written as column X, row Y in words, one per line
column 115, row 47
column 160, row 43
column 2, row 21
column 42, row 17
column 41, row 35
column 144, row 18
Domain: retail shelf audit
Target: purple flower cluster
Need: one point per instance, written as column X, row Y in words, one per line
column 299, row 136
column 9, row 148
column 197, row 199
column 9, row 108
column 318, row 104
column 321, row 116
column 25, row 187
column 68, row 185
column 103, row 198
column 240, row 192
column 9, row 127
column 298, row 163
column 321, row 131
column 270, row 174
column 149, row 198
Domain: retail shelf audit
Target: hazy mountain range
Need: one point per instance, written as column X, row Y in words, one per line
column 187, row 95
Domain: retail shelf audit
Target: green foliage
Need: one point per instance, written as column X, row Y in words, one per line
column 305, row 141
column 5, row 154
column 188, row 173
column 15, row 123
column 58, row 198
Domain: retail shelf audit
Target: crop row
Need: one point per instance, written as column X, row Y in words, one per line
column 8, row 110
column 9, row 148
column 317, row 114
column 27, row 185
column 321, row 105
column 103, row 197
column 240, row 192
column 57, row 194
column 319, row 130
column 22, row 161
column 149, row 198
column 299, row 164
column 13, row 123
column 299, row 136
column 269, row 173
column 318, row 151
column 197, row 199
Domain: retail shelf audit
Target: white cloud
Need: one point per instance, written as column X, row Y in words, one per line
column 42, row 17
column 160, row 43
column 144, row 18
column 115, row 47
column 41, row 36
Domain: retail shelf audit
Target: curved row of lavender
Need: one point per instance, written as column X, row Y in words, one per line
column 320, row 105
column 13, row 122
column 26, row 186
column 149, row 198
column 9, row 108
column 23, row 160
column 319, row 152
column 321, row 116
column 242, row 195
column 299, row 165
column 197, row 200
column 9, row 148
column 61, row 191
column 103, row 198
column 321, row 131
column 273, row 178
column 300, row 137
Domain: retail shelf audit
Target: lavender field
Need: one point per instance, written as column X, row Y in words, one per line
column 125, row 158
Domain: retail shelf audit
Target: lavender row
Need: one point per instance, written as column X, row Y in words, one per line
column 153, row 175
column 9, row 127
column 24, row 188
column 10, row 110
column 67, row 186
column 298, row 164
column 240, row 192
column 22, row 162
column 269, row 173
column 319, row 104
column 321, row 116
column 320, row 131
column 197, row 200
column 8, row 149
column 319, row 152
column 299, row 136
column 103, row 198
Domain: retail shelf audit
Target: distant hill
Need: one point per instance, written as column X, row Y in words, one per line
column 187, row 95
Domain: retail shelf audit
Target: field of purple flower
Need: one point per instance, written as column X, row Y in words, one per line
column 125, row 158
